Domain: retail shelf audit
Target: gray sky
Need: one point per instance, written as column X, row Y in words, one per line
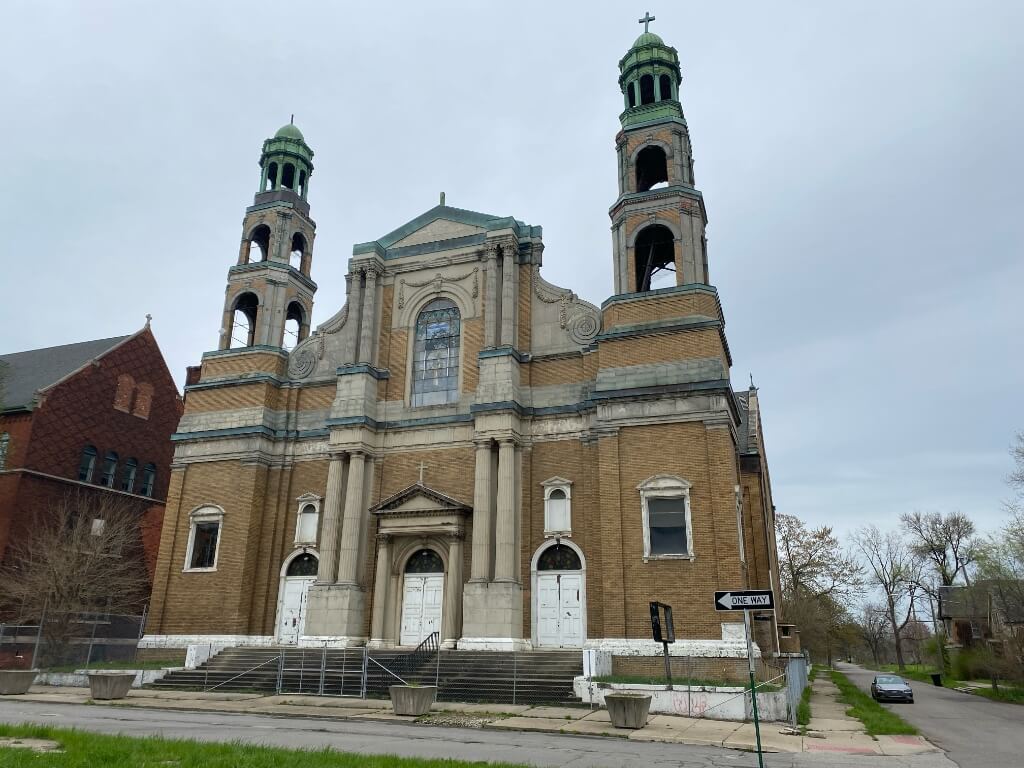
column 860, row 162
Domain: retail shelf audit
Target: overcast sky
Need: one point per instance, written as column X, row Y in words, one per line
column 861, row 164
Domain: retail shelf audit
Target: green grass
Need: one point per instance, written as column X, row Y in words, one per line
column 1008, row 694
column 878, row 720
column 86, row 750
column 920, row 672
column 681, row 682
column 155, row 664
column 803, row 709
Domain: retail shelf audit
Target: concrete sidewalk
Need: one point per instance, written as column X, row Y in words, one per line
column 838, row 736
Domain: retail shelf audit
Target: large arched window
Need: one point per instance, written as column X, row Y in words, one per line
column 260, row 238
column 435, row 363
column 243, row 321
column 559, row 558
column 303, row 565
column 425, row 561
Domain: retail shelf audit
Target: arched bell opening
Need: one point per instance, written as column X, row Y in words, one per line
column 260, row 237
column 651, row 168
column 654, row 258
column 243, row 320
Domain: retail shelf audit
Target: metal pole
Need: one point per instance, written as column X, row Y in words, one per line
column 323, row 668
column 362, row 689
column 753, row 686
column 39, row 635
column 668, row 664
column 515, row 675
column 92, row 639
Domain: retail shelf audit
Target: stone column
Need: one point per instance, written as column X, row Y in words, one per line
column 505, row 555
column 483, row 512
column 509, row 251
column 451, row 621
column 352, row 527
column 491, row 296
column 380, row 588
column 366, row 330
column 331, row 518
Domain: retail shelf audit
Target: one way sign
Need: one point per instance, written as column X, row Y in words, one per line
column 744, row 600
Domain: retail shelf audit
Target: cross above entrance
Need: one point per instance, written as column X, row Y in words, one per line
column 422, row 467
column 647, row 19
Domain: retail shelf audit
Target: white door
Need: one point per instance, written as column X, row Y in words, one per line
column 293, row 609
column 559, row 610
column 421, row 606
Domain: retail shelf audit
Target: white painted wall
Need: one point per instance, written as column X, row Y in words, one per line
column 711, row 703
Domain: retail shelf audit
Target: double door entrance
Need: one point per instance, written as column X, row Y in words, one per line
column 559, row 610
column 421, row 606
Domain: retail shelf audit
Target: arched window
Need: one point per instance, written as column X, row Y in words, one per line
column 305, row 528
column 559, row 558
column 435, row 364
column 128, row 478
column 665, row 85
column 148, row 480
column 288, row 177
column 293, row 324
column 647, row 89
column 654, row 258
column 651, row 168
column 87, row 464
column 303, row 565
column 125, row 392
column 271, row 177
column 631, row 94
column 302, row 184
column 297, row 252
column 109, row 469
column 243, row 321
column 5, row 442
column 260, row 237
column 425, row 561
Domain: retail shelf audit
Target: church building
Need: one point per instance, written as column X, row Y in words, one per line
column 465, row 448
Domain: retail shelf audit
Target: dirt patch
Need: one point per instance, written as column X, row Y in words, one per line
column 34, row 745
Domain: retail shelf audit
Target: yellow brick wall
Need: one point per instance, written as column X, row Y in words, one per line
column 472, row 342
column 524, row 335
column 662, row 348
column 249, row 362
column 546, row 372
column 654, row 308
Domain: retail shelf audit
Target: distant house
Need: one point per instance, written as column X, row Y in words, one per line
column 985, row 612
column 96, row 415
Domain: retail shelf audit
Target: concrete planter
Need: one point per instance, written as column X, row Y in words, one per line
column 15, row 681
column 110, row 685
column 412, row 700
column 628, row 710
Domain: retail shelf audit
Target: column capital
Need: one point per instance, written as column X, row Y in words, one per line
column 491, row 251
column 482, row 443
column 509, row 248
column 506, row 440
column 385, row 538
column 373, row 271
column 455, row 536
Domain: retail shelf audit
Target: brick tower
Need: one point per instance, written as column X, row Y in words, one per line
column 269, row 298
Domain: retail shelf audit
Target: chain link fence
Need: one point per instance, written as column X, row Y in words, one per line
column 68, row 641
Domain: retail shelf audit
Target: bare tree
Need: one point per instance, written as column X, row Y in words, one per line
column 875, row 630
column 81, row 554
column 812, row 563
column 896, row 571
column 945, row 542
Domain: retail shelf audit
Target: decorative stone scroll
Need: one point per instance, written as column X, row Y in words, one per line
column 438, row 281
column 303, row 359
column 580, row 319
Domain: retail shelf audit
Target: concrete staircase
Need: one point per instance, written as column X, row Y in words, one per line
column 528, row 677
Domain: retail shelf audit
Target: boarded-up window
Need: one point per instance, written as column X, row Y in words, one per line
column 125, row 391
column 143, row 400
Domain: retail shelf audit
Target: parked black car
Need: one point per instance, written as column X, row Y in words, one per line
column 891, row 688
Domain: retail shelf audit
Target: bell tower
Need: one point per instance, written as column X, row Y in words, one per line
column 269, row 297
column 658, row 220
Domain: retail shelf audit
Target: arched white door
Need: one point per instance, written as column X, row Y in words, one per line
column 560, row 598
column 422, row 597
column 291, row 621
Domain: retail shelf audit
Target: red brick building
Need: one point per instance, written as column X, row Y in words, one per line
column 94, row 415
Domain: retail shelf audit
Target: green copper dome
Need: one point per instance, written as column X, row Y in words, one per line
column 648, row 38
column 290, row 131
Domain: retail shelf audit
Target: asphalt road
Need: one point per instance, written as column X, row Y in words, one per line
column 974, row 732
column 368, row 737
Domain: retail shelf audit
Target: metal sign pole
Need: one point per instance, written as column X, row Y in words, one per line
column 753, row 686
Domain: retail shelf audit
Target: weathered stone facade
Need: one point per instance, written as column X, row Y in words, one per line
column 462, row 414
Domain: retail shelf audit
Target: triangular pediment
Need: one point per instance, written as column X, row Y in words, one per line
column 439, row 229
column 419, row 499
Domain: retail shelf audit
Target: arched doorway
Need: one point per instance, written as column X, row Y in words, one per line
column 560, row 599
column 422, row 596
column 298, row 574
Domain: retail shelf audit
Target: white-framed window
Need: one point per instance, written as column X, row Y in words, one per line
column 665, row 505
column 308, row 519
column 557, row 506
column 204, row 538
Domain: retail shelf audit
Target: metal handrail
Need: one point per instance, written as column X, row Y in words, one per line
column 428, row 646
column 246, row 672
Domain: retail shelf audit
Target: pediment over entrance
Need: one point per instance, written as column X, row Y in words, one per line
column 420, row 500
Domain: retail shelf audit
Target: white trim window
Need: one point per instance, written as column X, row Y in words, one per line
column 668, row 529
column 204, row 537
column 557, row 506
column 307, row 520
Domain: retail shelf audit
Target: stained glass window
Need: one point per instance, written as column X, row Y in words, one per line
column 425, row 561
column 559, row 558
column 435, row 365
column 303, row 565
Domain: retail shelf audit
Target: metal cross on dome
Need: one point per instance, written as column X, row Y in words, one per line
column 647, row 19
